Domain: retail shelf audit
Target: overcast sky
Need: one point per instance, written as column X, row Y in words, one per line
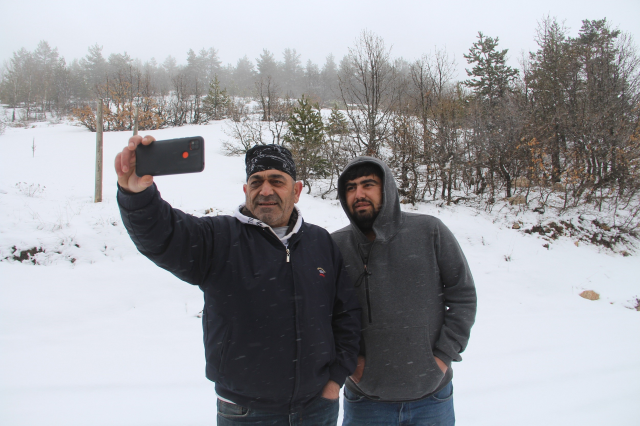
column 147, row 29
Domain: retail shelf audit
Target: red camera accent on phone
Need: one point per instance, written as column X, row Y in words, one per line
column 185, row 154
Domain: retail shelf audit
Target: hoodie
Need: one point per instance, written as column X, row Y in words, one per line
column 417, row 295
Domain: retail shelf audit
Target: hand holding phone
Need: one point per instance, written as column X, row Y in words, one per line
column 125, row 165
column 170, row 157
column 145, row 157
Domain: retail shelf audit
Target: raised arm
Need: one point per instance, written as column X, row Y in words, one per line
column 172, row 239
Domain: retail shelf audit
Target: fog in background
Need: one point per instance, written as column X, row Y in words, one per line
column 157, row 29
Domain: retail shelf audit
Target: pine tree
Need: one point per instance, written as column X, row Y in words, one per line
column 499, row 126
column 491, row 77
column 552, row 85
column 95, row 68
column 608, row 98
column 338, row 125
column 336, row 152
column 267, row 65
column 216, row 103
column 305, row 138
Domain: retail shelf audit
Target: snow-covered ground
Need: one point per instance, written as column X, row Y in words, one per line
column 95, row 334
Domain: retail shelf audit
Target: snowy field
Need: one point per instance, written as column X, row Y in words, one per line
column 95, row 334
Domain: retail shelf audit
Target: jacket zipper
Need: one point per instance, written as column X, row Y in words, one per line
column 366, row 289
column 287, row 249
column 296, row 384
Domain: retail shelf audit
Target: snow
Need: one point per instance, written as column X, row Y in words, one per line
column 94, row 333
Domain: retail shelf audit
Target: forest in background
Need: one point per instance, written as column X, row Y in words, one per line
column 560, row 131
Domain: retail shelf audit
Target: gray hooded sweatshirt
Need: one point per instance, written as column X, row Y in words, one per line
column 417, row 295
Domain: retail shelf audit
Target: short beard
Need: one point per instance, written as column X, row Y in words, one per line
column 270, row 218
column 365, row 220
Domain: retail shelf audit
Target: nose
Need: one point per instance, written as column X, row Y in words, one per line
column 266, row 189
column 359, row 192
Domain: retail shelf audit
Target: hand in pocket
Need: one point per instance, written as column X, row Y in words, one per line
column 441, row 364
column 357, row 375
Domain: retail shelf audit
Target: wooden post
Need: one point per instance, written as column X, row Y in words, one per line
column 135, row 123
column 98, row 194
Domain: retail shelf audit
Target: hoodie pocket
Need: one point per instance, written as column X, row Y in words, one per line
column 399, row 364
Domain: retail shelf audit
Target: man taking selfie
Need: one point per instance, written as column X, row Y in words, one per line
column 281, row 321
column 418, row 303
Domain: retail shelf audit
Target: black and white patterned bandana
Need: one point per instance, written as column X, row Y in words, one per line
column 269, row 157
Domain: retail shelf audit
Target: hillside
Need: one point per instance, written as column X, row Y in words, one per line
column 93, row 333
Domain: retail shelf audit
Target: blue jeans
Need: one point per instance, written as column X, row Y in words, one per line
column 321, row 412
column 434, row 410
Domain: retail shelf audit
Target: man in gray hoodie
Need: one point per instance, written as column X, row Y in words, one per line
column 418, row 303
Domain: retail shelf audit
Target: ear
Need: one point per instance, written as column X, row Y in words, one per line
column 244, row 188
column 297, row 190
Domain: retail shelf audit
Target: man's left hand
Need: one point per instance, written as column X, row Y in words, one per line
column 441, row 364
column 331, row 390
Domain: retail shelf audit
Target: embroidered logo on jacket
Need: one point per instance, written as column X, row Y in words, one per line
column 322, row 272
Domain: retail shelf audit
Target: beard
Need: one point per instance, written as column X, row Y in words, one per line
column 364, row 219
column 271, row 216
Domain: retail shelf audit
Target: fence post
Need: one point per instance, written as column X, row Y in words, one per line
column 99, row 154
column 135, row 123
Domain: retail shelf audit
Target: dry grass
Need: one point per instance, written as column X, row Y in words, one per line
column 590, row 295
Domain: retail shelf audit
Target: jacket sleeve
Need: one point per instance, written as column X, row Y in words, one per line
column 180, row 243
column 345, row 324
column 459, row 296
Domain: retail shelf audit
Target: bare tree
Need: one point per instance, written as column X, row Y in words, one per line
column 267, row 93
column 245, row 130
column 435, row 104
column 367, row 87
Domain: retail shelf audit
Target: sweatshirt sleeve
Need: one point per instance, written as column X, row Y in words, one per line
column 345, row 324
column 459, row 296
column 180, row 243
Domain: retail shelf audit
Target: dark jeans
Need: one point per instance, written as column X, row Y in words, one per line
column 435, row 410
column 321, row 412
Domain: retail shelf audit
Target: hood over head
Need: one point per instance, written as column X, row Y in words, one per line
column 389, row 218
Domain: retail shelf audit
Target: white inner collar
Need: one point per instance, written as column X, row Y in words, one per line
column 257, row 222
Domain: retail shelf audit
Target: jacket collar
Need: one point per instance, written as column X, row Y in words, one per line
column 390, row 219
column 295, row 221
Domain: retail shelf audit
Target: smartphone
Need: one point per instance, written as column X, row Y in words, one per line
column 170, row 157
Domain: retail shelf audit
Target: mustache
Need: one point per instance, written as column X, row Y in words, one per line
column 273, row 198
column 361, row 200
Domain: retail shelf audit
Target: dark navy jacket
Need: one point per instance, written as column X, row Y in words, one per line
column 275, row 331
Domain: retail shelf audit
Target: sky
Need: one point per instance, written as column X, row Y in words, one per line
column 155, row 29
